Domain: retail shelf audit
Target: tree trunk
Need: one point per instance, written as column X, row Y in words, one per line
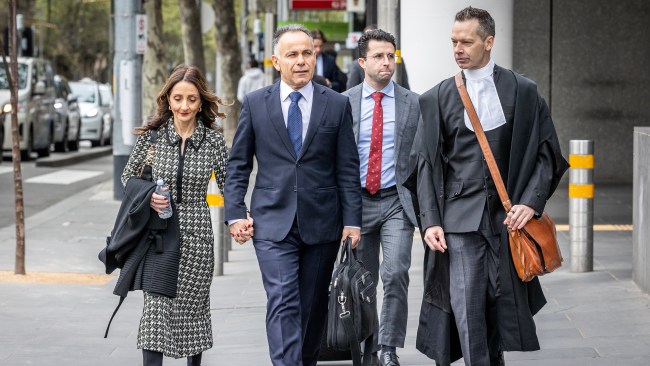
column 192, row 36
column 11, row 70
column 154, row 69
column 230, row 55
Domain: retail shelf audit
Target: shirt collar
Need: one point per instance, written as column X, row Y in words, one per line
column 307, row 91
column 481, row 73
column 174, row 139
column 388, row 90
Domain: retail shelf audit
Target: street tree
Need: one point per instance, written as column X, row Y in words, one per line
column 154, row 63
column 192, row 35
column 230, row 56
column 11, row 70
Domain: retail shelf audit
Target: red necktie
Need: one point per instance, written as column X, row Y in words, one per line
column 373, row 177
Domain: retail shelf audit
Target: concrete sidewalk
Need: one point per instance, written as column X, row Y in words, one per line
column 597, row 318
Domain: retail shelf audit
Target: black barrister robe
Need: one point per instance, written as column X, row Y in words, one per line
column 535, row 149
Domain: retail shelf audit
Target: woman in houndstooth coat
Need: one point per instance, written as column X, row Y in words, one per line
column 188, row 149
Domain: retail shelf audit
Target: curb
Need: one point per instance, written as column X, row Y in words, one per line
column 74, row 157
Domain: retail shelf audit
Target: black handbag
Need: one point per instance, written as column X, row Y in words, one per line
column 352, row 312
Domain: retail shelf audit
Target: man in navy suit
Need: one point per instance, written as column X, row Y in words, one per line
column 326, row 64
column 306, row 198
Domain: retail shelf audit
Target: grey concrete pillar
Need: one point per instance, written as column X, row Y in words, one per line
column 641, row 206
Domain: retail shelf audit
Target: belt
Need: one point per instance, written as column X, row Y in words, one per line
column 385, row 192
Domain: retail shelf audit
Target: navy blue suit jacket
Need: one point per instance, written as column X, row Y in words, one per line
column 320, row 188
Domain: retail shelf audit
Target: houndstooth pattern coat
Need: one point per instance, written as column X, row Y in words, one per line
column 180, row 327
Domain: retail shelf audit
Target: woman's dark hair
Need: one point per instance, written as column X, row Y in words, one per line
column 209, row 101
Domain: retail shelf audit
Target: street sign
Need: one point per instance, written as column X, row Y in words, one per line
column 140, row 33
column 318, row 4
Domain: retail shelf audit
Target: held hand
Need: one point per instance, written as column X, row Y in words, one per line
column 353, row 233
column 434, row 236
column 239, row 231
column 250, row 224
column 158, row 202
column 518, row 216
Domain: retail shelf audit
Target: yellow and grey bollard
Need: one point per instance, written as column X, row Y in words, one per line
column 220, row 230
column 581, row 205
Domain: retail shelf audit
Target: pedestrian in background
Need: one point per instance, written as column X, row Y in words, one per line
column 189, row 148
column 326, row 64
column 385, row 117
column 252, row 79
column 306, row 199
column 470, row 281
column 356, row 73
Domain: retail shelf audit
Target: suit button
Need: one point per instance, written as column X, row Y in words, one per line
column 455, row 194
column 487, row 177
column 489, row 196
column 446, row 196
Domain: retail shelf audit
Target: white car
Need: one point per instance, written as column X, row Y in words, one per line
column 37, row 116
column 96, row 122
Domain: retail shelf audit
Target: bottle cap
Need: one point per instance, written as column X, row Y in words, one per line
column 160, row 182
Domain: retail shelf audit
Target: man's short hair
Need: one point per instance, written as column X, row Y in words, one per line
column 374, row 35
column 286, row 29
column 485, row 21
column 318, row 34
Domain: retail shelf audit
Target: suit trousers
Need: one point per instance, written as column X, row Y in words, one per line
column 296, row 279
column 386, row 229
column 473, row 266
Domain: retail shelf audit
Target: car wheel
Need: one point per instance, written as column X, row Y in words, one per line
column 74, row 145
column 45, row 152
column 100, row 139
column 63, row 145
column 26, row 155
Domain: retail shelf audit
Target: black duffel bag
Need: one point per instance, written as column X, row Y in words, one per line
column 352, row 311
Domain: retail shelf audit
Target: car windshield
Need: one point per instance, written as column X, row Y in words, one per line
column 85, row 92
column 22, row 77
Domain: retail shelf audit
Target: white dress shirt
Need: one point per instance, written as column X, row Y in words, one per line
column 304, row 103
column 483, row 93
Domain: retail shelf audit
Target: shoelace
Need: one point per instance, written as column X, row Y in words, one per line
column 389, row 359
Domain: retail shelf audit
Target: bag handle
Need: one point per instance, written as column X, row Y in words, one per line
column 482, row 140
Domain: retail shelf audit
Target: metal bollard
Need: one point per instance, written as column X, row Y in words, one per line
column 215, row 202
column 581, row 205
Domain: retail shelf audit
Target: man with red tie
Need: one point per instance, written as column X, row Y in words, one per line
column 385, row 117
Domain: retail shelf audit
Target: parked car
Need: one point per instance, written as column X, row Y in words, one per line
column 68, row 130
column 106, row 92
column 36, row 113
column 95, row 112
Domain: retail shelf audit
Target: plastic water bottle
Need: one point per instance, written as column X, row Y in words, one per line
column 163, row 190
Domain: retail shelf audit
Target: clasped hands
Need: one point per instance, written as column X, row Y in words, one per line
column 242, row 230
column 516, row 218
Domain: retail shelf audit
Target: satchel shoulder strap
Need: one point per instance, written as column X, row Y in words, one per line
column 485, row 147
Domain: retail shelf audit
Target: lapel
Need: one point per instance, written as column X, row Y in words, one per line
column 318, row 106
column 355, row 104
column 274, row 108
column 402, row 106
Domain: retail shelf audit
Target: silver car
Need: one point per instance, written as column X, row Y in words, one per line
column 35, row 109
column 95, row 112
column 68, row 130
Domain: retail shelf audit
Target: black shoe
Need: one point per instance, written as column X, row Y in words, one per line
column 389, row 359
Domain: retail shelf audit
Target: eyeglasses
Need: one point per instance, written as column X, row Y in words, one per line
column 379, row 57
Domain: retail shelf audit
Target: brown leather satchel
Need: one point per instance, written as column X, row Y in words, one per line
column 534, row 249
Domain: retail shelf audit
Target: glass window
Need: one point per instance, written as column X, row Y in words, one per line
column 22, row 77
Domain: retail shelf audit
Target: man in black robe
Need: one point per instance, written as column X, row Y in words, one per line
column 474, row 304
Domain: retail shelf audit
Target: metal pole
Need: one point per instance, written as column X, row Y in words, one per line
column 127, row 84
column 581, row 205
column 269, row 29
column 218, row 228
column 215, row 202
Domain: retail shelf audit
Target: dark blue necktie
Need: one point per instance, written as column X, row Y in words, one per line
column 294, row 122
